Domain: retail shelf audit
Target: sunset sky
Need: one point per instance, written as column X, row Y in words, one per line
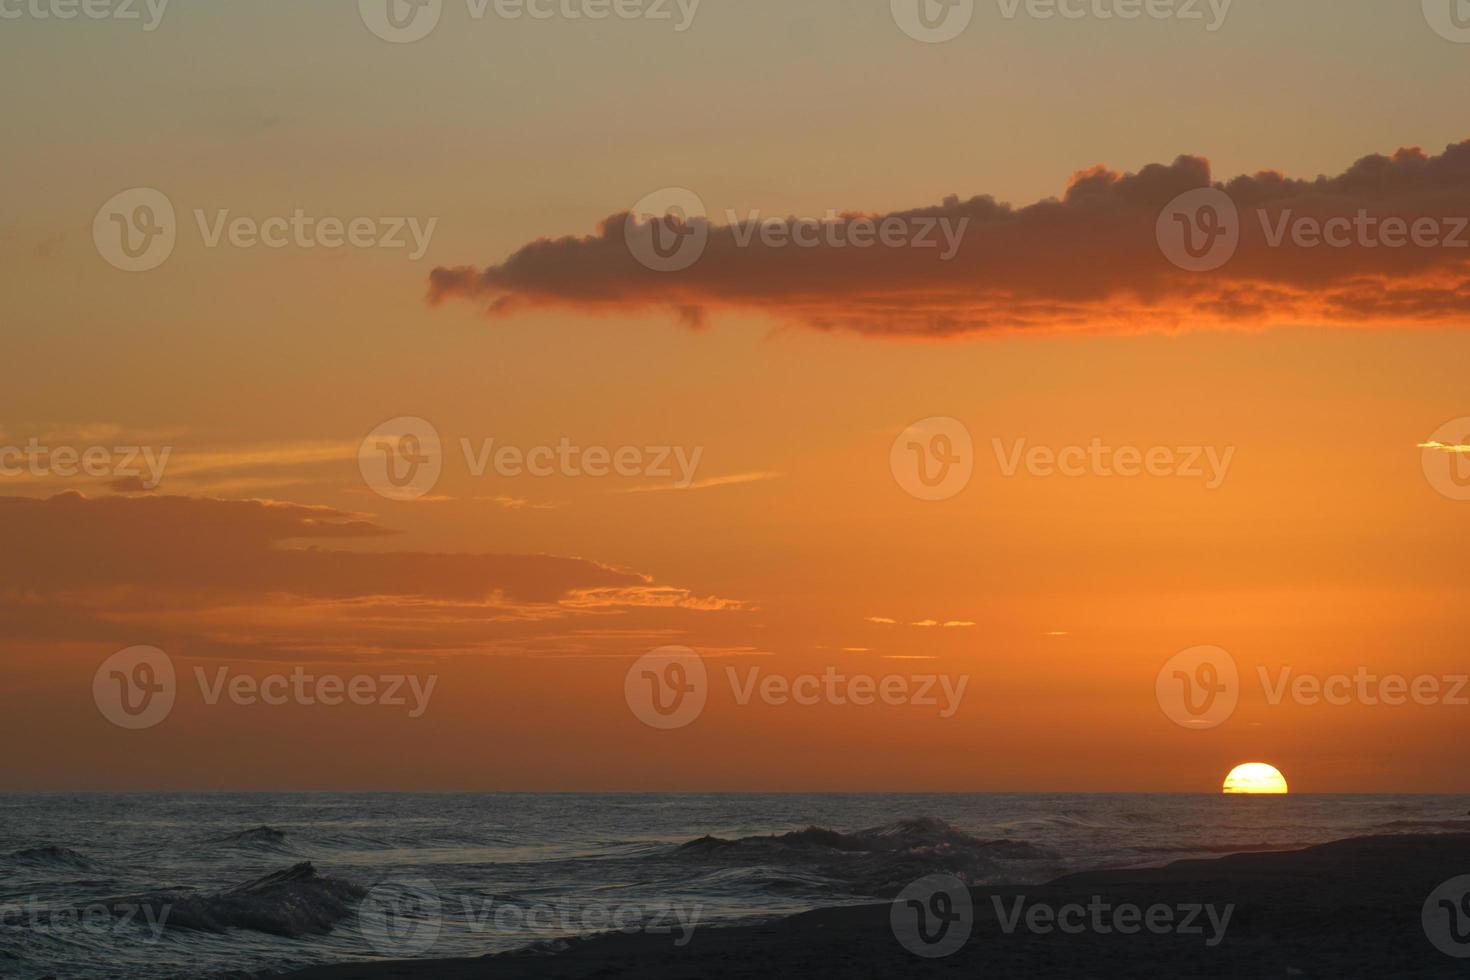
column 793, row 547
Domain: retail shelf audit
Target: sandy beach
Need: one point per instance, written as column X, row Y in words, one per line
column 1350, row 908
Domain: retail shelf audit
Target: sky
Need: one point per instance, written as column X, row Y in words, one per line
column 768, row 517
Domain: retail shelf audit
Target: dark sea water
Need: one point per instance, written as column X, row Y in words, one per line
column 399, row 876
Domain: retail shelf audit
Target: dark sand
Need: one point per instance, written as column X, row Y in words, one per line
column 1348, row 909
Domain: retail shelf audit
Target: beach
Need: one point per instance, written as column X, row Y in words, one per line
column 1350, row 908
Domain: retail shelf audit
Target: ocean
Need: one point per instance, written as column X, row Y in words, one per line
column 199, row 885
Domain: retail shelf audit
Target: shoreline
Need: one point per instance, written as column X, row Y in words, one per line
column 1353, row 907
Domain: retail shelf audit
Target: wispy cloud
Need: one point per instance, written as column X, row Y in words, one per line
column 922, row 623
column 519, row 503
column 714, row 481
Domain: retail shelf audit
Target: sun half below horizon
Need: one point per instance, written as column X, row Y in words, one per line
column 1256, row 778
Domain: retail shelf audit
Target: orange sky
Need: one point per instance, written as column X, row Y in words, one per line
column 1324, row 547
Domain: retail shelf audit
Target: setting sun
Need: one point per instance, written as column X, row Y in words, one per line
column 1255, row 777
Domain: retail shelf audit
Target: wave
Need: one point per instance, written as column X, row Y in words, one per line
column 1412, row 825
column 51, row 856
column 878, row 861
column 293, row 903
column 255, row 837
column 1223, row 848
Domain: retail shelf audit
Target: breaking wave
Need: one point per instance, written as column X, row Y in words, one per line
column 878, row 861
column 293, row 903
column 51, row 856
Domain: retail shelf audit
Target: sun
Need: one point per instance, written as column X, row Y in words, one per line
column 1255, row 777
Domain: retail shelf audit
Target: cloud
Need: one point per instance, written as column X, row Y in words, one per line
column 518, row 503
column 922, row 623
column 1443, row 448
column 733, row 479
column 275, row 580
column 1090, row 260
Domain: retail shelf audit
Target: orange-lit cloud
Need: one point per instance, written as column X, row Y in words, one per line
column 254, row 578
column 1091, row 260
